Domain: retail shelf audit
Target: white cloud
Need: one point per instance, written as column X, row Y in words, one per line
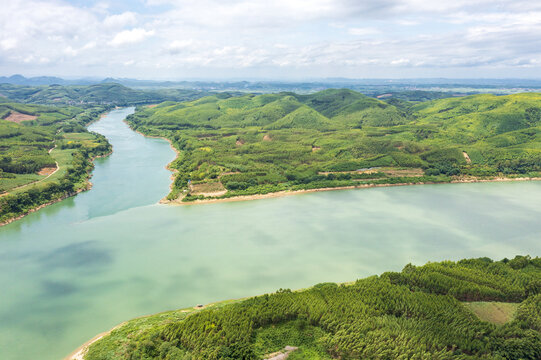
column 8, row 43
column 127, row 18
column 299, row 36
column 131, row 36
column 363, row 31
column 179, row 46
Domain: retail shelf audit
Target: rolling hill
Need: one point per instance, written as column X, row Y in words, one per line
column 257, row 144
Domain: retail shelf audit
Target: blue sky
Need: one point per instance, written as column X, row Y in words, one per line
column 271, row 39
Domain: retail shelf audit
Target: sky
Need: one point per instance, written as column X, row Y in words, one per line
column 271, row 39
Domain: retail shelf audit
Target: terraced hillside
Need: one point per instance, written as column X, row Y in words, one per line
column 45, row 155
column 268, row 143
column 423, row 312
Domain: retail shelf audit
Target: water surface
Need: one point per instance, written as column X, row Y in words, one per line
column 81, row 266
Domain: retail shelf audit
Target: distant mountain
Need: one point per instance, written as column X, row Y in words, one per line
column 42, row 80
column 103, row 93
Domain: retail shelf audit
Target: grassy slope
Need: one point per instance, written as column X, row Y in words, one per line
column 497, row 313
column 283, row 141
column 416, row 313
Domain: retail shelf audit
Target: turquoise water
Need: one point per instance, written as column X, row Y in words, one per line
column 81, row 266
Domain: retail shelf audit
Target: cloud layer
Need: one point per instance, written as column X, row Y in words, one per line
column 271, row 39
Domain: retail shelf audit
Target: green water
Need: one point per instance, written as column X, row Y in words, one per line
column 81, row 266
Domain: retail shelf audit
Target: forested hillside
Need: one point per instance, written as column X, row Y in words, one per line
column 98, row 94
column 46, row 154
column 422, row 312
column 259, row 144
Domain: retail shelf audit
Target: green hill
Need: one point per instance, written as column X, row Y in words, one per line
column 287, row 141
column 303, row 117
column 422, row 312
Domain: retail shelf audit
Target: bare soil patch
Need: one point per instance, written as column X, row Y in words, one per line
column 239, row 142
column 412, row 172
column 151, row 106
column 467, row 157
column 360, row 171
column 281, row 355
column 46, row 171
column 267, row 137
column 315, row 148
column 208, row 189
column 17, row 117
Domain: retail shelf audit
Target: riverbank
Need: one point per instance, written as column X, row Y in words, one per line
column 360, row 186
column 64, row 197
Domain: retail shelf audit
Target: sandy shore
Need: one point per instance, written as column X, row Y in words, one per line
column 361, row 186
column 80, row 352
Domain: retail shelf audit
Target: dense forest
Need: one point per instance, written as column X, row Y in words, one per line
column 46, row 154
column 423, row 312
column 257, row 144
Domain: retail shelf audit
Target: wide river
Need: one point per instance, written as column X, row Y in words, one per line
column 81, row 266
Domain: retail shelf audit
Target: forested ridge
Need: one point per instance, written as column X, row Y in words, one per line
column 418, row 313
column 36, row 138
column 97, row 94
column 257, row 144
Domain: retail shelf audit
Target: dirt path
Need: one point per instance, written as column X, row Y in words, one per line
column 281, row 355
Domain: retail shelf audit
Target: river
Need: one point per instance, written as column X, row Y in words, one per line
column 81, row 266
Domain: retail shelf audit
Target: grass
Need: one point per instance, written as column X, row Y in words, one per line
column 497, row 313
column 7, row 184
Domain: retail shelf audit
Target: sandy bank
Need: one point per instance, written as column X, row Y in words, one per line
column 360, row 186
column 80, row 352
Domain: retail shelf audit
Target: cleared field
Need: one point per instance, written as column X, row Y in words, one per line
column 18, row 117
column 497, row 313
column 208, row 189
